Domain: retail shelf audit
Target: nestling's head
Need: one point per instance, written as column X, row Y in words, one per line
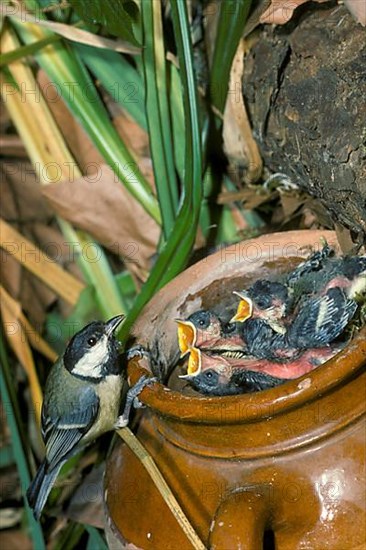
column 199, row 328
column 93, row 352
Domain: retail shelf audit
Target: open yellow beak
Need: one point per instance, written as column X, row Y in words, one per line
column 186, row 336
column 194, row 362
column 244, row 311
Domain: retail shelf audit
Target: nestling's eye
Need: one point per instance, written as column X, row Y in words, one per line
column 92, row 341
column 201, row 323
column 208, row 374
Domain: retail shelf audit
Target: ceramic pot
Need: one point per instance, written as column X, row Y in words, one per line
column 285, row 466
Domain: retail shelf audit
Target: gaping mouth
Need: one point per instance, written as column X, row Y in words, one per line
column 187, row 335
column 194, row 362
column 244, row 311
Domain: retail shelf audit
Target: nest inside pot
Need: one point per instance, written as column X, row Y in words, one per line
column 209, row 285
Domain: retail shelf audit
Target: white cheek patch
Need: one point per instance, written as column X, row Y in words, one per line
column 92, row 362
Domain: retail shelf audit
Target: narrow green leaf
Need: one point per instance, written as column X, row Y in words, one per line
column 177, row 111
column 23, row 51
column 11, row 409
column 119, row 78
column 230, row 27
column 95, row 541
column 115, row 15
column 6, row 456
column 176, row 251
column 157, row 110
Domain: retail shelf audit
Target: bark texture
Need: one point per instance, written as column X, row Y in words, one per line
column 305, row 90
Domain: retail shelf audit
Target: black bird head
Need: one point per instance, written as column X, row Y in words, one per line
column 93, row 352
column 213, row 382
column 201, row 326
column 207, row 382
column 265, row 293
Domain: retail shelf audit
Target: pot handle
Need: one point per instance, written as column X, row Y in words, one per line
column 243, row 516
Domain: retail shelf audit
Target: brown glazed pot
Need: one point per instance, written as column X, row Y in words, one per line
column 288, row 461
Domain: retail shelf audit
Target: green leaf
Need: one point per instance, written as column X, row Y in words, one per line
column 121, row 80
column 177, row 249
column 117, row 16
column 23, row 51
column 18, row 439
column 230, row 27
column 157, row 110
column 95, row 541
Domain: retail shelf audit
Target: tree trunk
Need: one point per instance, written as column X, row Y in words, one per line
column 305, row 90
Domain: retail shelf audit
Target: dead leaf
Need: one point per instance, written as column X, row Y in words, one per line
column 290, row 205
column 15, row 539
column 358, row 10
column 38, row 263
column 104, row 208
column 85, row 154
column 250, row 196
column 239, row 144
column 78, row 35
column 21, row 197
column 281, row 11
column 11, row 314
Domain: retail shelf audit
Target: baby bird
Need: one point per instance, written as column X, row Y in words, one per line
column 219, row 375
column 204, row 329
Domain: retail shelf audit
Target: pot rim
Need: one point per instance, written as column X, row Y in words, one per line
column 244, row 408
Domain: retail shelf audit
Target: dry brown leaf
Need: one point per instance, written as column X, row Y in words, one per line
column 281, row 11
column 251, row 197
column 358, row 10
column 86, row 155
column 106, row 210
column 290, row 204
column 15, row 539
column 38, row 263
column 21, row 197
column 239, row 144
column 11, row 313
column 78, row 35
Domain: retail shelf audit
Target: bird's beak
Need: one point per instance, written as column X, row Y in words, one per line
column 186, row 376
column 186, row 336
column 194, row 362
column 112, row 324
column 245, row 309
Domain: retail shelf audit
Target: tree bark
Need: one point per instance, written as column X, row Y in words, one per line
column 305, row 90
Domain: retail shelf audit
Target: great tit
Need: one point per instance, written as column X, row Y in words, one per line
column 81, row 402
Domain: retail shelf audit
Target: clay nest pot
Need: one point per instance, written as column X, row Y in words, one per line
column 232, row 460
column 209, row 284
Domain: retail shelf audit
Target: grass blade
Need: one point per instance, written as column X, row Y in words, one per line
column 13, row 418
column 157, row 110
column 176, row 251
column 230, row 27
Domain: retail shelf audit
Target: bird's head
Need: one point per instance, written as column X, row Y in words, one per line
column 210, row 382
column 200, row 327
column 92, row 353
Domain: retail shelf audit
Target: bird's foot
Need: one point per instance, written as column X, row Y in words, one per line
column 137, row 351
column 133, row 401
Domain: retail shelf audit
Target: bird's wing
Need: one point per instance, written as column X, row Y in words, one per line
column 62, row 430
column 321, row 320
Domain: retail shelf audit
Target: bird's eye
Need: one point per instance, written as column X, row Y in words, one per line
column 92, row 341
column 208, row 374
column 201, row 323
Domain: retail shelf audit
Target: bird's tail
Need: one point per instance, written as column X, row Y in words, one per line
column 40, row 487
